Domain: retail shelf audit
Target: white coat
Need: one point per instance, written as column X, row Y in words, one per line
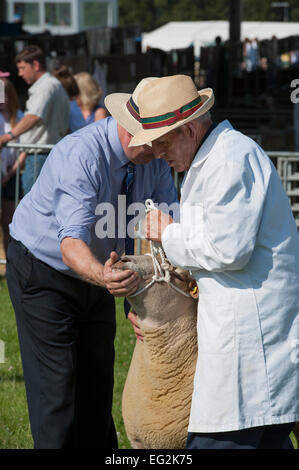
column 238, row 237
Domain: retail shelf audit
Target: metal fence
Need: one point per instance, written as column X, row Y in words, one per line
column 287, row 164
column 22, row 147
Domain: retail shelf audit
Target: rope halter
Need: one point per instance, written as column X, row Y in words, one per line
column 161, row 271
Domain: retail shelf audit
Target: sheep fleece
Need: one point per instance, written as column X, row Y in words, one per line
column 158, row 390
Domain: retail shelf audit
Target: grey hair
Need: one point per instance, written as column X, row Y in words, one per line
column 204, row 117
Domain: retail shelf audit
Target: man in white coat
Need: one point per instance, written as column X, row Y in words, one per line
column 238, row 237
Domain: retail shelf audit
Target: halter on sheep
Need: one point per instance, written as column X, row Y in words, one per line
column 161, row 271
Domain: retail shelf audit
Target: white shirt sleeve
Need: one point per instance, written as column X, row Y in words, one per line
column 40, row 103
column 219, row 232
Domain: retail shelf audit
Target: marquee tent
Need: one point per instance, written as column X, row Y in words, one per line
column 182, row 34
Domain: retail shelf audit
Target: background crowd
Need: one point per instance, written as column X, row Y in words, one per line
column 77, row 100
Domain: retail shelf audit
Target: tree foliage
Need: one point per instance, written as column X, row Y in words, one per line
column 151, row 14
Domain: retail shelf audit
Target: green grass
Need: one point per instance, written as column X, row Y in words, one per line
column 124, row 345
column 14, row 424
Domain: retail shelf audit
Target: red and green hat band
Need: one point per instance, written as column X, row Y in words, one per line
column 172, row 117
column 133, row 109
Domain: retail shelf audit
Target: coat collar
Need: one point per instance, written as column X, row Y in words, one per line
column 205, row 149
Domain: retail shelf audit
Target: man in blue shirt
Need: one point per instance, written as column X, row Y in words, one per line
column 66, row 234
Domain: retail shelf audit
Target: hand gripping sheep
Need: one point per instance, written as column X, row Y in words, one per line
column 161, row 270
column 158, row 390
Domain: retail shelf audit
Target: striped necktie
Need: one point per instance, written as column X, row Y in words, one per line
column 128, row 186
column 127, row 190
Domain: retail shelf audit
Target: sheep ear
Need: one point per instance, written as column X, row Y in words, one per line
column 193, row 289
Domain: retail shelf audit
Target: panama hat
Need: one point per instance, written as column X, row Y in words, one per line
column 123, row 107
column 167, row 103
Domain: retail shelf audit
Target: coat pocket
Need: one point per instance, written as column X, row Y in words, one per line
column 215, row 325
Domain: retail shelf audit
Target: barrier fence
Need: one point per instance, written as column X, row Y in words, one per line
column 286, row 163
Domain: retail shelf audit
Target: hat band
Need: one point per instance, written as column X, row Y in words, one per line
column 133, row 109
column 172, row 117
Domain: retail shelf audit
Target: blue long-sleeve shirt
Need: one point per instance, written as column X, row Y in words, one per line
column 77, row 195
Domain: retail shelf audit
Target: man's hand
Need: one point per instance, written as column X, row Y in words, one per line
column 132, row 316
column 119, row 283
column 77, row 255
column 4, row 138
column 156, row 222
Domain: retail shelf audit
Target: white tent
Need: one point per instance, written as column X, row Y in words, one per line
column 182, row 34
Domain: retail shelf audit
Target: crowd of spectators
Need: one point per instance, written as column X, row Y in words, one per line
column 58, row 103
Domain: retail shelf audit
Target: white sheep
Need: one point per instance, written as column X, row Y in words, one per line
column 158, row 390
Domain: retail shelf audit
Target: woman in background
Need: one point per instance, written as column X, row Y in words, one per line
column 88, row 101
column 10, row 114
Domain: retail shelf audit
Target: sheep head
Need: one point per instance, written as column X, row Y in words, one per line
column 160, row 303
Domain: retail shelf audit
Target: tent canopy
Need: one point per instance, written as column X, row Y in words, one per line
column 182, row 34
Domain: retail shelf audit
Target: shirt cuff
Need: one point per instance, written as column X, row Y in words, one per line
column 83, row 233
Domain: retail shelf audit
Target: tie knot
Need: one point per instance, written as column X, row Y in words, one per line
column 130, row 170
column 130, row 167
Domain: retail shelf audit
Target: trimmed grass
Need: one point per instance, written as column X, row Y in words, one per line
column 14, row 423
column 124, row 345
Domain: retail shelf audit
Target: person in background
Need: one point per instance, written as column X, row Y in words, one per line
column 76, row 119
column 88, row 101
column 47, row 112
column 10, row 114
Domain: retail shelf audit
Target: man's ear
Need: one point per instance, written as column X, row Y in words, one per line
column 190, row 128
column 36, row 66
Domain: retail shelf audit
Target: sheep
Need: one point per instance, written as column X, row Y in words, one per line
column 158, row 390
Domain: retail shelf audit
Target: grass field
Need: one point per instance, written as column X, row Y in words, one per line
column 14, row 424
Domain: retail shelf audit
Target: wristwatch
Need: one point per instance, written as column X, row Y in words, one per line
column 11, row 134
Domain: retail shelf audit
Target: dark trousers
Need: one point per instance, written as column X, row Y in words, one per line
column 66, row 330
column 264, row 437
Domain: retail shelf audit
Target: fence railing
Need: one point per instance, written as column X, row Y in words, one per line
column 286, row 163
column 22, row 147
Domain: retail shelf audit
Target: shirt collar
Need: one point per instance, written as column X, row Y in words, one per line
column 208, row 142
column 38, row 82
